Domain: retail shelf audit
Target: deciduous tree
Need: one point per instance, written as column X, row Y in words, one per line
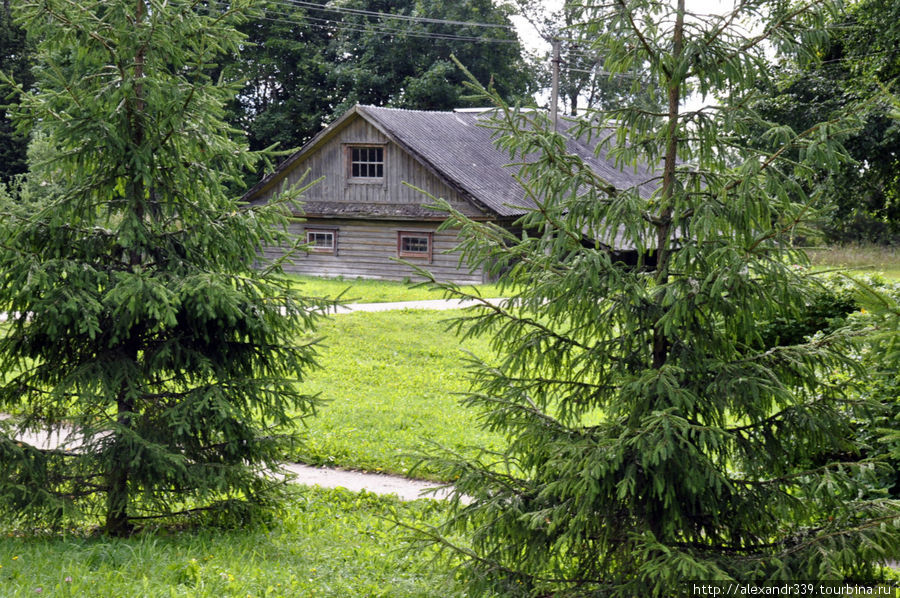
column 584, row 82
column 859, row 62
column 312, row 61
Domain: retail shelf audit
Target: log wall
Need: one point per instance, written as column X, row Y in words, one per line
column 368, row 249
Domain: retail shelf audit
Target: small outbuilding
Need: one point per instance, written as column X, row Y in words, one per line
column 365, row 213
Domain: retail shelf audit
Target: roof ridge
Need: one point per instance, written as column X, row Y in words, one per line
column 393, row 109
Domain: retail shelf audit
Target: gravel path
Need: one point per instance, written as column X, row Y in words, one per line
column 403, row 488
column 436, row 304
column 326, row 477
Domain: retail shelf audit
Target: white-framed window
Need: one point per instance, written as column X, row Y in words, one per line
column 414, row 244
column 322, row 240
column 365, row 162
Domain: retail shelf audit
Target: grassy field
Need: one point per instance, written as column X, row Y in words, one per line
column 391, row 380
column 363, row 290
column 865, row 258
column 328, row 543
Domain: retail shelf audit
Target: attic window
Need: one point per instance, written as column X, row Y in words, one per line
column 366, row 162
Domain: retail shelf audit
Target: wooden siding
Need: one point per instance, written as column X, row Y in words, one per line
column 366, row 249
column 400, row 169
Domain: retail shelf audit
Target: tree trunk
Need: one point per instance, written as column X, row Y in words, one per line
column 117, row 523
column 117, row 498
column 664, row 226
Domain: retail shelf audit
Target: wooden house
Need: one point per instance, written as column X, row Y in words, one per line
column 364, row 213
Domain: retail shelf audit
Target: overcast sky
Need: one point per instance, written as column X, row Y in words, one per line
column 534, row 43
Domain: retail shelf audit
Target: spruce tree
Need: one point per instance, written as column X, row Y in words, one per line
column 141, row 325
column 655, row 434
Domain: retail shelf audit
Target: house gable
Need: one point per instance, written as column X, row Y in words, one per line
column 338, row 194
column 365, row 210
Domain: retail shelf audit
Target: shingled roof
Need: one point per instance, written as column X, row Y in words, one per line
column 455, row 147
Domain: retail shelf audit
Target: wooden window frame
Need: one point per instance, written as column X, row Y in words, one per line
column 322, row 249
column 349, row 162
column 421, row 255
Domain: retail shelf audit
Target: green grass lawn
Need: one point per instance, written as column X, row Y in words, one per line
column 864, row 258
column 328, row 543
column 363, row 290
column 390, row 379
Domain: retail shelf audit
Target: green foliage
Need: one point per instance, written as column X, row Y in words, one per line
column 285, row 72
column 410, row 71
column 43, row 182
column 138, row 326
column 329, row 543
column 879, row 353
column 15, row 61
column 825, row 311
column 859, row 62
column 655, row 436
column 309, row 65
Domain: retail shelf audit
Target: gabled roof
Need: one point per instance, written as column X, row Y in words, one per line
column 454, row 147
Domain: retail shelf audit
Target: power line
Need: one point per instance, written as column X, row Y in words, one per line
column 604, row 73
column 379, row 29
column 382, row 28
column 343, row 27
column 598, row 57
column 386, row 15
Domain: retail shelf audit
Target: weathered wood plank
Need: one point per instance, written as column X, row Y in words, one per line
column 368, row 248
column 329, row 165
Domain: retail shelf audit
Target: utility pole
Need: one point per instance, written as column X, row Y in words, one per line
column 554, row 84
